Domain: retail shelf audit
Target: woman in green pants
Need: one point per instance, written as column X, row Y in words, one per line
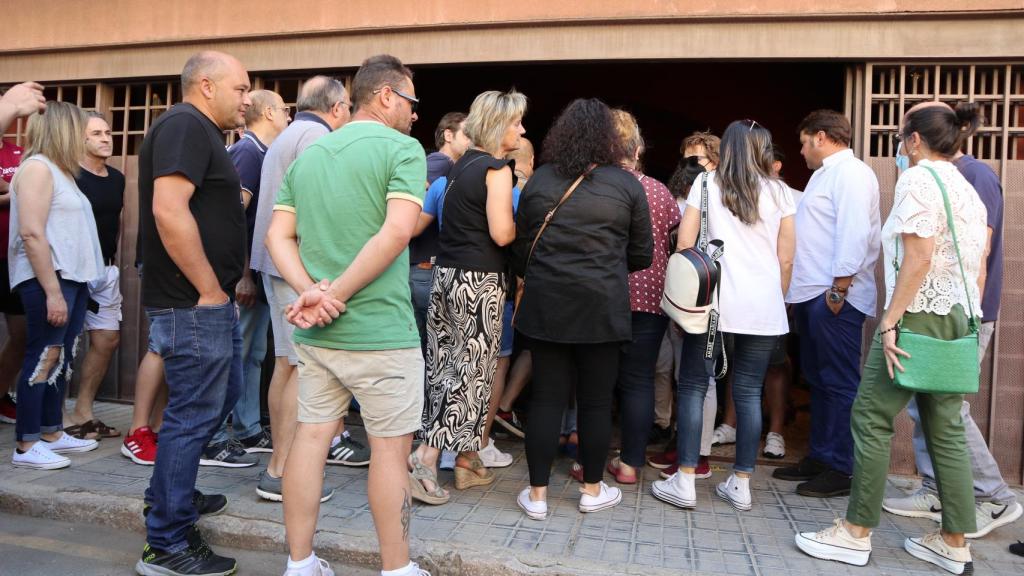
column 929, row 296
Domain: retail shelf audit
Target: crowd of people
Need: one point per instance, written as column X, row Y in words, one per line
column 401, row 284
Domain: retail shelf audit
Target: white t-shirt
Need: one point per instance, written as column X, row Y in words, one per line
column 751, row 299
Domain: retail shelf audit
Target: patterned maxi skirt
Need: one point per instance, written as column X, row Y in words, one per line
column 463, row 342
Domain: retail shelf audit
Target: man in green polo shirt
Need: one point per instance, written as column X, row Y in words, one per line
column 339, row 234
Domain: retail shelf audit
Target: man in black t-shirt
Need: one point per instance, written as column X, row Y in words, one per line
column 104, row 187
column 193, row 233
column 264, row 120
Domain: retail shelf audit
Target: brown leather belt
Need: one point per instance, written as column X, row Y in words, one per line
column 425, row 265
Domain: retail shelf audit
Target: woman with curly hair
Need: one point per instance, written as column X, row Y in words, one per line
column 582, row 226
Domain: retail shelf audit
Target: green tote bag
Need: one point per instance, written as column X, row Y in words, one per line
column 940, row 366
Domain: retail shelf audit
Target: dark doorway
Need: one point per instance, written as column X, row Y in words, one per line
column 669, row 99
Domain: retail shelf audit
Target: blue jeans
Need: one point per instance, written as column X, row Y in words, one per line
column 636, row 385
column 245, row 417
column 202, row 351
column 748, row 359
column 420, row 281
column 830, row 347
column 41, row 396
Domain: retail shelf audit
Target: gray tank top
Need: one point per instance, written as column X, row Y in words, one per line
column 70, row 230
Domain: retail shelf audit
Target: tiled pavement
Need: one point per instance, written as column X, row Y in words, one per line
column 640, row 536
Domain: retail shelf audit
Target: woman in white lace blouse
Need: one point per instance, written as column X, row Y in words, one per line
column 929, row 296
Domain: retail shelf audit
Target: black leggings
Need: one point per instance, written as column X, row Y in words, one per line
column 594, row 368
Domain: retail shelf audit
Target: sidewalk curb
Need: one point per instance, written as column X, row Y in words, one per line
column 228, row 529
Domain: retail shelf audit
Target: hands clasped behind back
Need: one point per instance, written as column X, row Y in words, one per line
column 315, row 306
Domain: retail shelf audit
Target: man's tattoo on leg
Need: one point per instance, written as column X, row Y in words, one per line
column 406, row 513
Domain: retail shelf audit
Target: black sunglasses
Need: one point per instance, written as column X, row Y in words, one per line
column 414, row 102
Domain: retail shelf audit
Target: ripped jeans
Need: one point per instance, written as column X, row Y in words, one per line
column 41, row 392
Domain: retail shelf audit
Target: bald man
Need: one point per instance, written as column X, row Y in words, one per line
column 264, row 121
column 193, row 232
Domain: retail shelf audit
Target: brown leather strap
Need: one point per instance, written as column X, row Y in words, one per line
column 551, row 213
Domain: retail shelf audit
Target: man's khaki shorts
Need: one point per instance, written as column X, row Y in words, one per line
column 387, row 383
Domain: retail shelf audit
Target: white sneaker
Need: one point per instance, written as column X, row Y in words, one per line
column 39, row 457
column 417, row 571
column 67, row 444
column 735, row 491
column 836, row 543
column 991, row 516
column 679, row 490
column 932, row 548
column 534, row 510
column 607, row 497
column 774, row 446
column 319, row 567
column 922, row 504
column 494, row 458
column 724, row 434
column 447, row 460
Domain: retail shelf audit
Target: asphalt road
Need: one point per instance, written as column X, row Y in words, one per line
column 40, row 547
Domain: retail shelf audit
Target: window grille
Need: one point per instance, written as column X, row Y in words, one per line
column 997, row 88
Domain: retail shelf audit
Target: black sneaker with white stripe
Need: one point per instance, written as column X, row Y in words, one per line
column 196, row 559
column 228, row 454
column 257, row 443
column 349, row 452
column 206, row 504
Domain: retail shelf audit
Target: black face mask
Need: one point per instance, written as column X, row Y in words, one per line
column 686, row 174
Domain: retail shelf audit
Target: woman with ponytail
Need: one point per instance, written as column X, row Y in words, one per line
column 932, row 296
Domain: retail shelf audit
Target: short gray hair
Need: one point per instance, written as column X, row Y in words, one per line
column 261, row 99
column 320, row 94
column 490, row 115
column 94, row 114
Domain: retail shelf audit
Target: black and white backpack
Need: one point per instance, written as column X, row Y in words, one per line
column 692, row 281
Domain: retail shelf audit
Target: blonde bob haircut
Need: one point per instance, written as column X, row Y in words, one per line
column 59, row 135
column 490, row 116
column 628, row 132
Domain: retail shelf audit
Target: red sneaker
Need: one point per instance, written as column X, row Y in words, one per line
column 576, row 472
column 703, row 469
column 666, row 459
column 140, row 446
column 615, row 469
column 8, row 410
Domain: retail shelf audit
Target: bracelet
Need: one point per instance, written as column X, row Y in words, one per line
column 893, row 328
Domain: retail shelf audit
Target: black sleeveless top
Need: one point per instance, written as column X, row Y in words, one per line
column 465, row 240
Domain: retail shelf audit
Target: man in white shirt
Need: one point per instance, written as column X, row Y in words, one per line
column 832, row 291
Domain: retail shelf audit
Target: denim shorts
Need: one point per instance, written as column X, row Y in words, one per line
column 507, row 331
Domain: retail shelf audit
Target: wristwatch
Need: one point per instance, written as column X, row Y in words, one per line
column 836, row 295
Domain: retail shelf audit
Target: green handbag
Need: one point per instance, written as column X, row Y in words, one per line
column 940, row 366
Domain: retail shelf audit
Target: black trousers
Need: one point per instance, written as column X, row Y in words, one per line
column 594, row 368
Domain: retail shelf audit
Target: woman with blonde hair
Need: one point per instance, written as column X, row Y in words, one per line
column 467, row 299
column 637, row 361
column 54, row 252
column 751, row 212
